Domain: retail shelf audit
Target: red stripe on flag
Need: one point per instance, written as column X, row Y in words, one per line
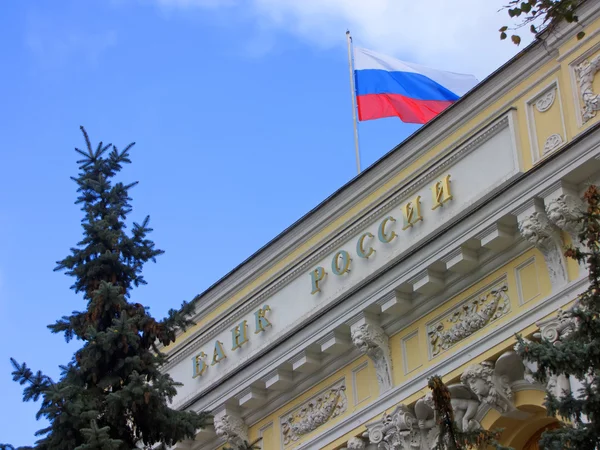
column 409, row 110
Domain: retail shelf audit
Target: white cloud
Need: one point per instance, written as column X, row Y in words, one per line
column 457, row 35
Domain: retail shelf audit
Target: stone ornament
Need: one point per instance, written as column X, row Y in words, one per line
column 314, row 413
column 544, row 103
column 564, row 212
column 555, row 330
column 491, row 382
column 468, row 318
column 586, row 71
column 484, row 385
column 370, row 339
column 232, row 428
column 544, row 235
column 553, row 142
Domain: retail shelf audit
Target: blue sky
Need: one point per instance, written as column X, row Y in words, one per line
column 242, row 118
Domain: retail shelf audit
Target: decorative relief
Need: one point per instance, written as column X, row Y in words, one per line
column 544, row 103
column 586, row 72
column 315, row 412
column 232, row 428
column 543, row 234
column 468, row 317
column 370, row 339
column 554, row 330
column 484, row 385
column 553, row 142
column 564, row 212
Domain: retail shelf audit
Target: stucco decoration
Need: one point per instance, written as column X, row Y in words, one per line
column 396, row 431
column 314, row 413
column 232, row 428
column 491, row 382
column 543, row 234
column 554, row 141
column 555, row 330
column 586, row 71
column 563, row 212
column 545, row 102
column 356, row 443
column 468, row 318
column 465, row 405
column 372, row 341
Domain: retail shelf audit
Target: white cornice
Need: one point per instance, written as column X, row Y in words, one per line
column 563, row 165
column 494, row 337
column 528, row 62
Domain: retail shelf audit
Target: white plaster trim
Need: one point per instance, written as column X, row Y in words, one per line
column 458, row 153
column 575, row 85
column 537, row 153
column 452, row 362
column 576, row 159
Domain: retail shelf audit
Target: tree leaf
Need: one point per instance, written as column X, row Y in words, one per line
column 516, row 39
column 503, row 35
column 580, row 35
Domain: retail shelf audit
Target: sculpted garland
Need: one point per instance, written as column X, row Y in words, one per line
column 468, row 318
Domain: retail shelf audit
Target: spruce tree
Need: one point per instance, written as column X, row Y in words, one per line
column 578, row 355
column 112, row 394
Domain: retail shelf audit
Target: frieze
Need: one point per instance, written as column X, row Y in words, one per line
column 468, row 317
column 314, row 413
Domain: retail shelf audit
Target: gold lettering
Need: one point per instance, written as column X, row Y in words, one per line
column 343, row 257
column 441, row 192
column 382, row 234
column 412, row 212
column 199, row 365
column 360, row 246
column 261, row 321
column 239, row 335
column 218, row 354
column 316, row 276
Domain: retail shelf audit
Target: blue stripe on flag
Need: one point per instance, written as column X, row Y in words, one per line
column 413, row 85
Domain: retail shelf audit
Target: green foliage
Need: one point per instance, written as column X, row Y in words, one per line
column 450, row 437
column 540, row 15
column 111, row 395
column 578, row 355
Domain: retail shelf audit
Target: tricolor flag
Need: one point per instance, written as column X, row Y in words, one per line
column 387, row 87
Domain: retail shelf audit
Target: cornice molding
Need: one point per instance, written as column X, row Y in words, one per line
column 459, row 152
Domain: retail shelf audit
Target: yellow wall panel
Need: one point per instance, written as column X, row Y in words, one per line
column 528, row 281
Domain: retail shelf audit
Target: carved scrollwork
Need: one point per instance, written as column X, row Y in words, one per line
column 372, row 340
column 543, row 234
column 544, row 103
column 554, row 141
column 232, row 428
column 586, row 71
column 467, row 318
column 314, row 413
column 564, row 212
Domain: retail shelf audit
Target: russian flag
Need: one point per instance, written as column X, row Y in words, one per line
column 388, row 87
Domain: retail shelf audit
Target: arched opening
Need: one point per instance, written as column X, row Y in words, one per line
column 522, row 433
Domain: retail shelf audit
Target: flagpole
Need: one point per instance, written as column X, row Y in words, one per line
column 353, row 94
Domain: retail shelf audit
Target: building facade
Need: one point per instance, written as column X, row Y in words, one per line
column 427, row 263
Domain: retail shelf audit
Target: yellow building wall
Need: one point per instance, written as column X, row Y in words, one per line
column 361, row 389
